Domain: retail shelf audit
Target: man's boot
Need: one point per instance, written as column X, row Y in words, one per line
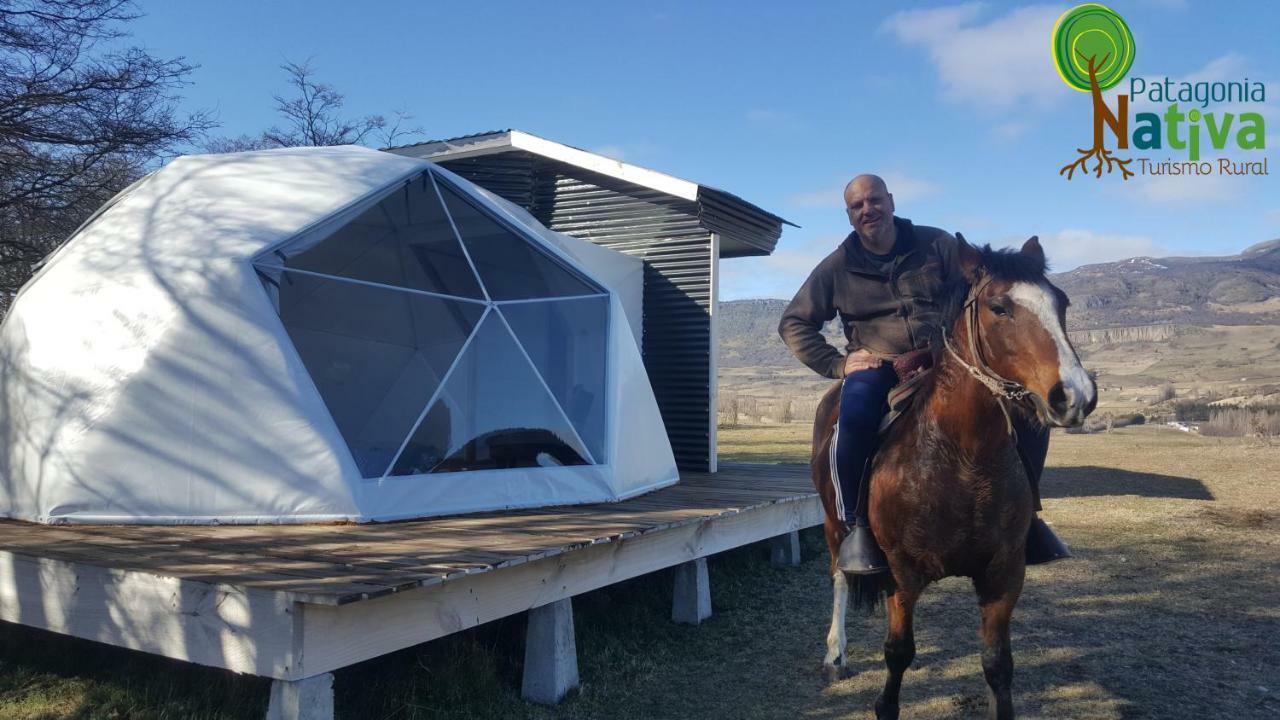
column 859, row 553
column 1043, row 546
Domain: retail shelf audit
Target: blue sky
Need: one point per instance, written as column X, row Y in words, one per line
column 957, row 105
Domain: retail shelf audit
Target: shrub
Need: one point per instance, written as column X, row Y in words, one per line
column 1242, row 422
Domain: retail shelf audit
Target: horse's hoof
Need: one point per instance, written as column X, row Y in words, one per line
column 835, row 673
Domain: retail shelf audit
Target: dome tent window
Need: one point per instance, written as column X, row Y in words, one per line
column 386, row 311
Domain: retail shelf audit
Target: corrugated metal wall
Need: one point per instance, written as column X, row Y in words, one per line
column 662, row 230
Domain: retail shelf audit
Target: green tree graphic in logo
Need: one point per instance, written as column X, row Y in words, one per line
column 1093, row 50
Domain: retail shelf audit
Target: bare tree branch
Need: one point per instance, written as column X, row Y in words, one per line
column 312, row 114
column 76, row 123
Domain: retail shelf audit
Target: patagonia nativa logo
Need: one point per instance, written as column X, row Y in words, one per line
column 1093, row 50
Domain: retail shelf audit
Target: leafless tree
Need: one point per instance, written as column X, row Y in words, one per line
column 312, row 117
column 398, row 127
column 728, row 406
column 312, row 114
column 81, row 116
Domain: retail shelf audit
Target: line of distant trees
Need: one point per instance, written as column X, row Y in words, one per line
column 734, row 409
column 82, row 117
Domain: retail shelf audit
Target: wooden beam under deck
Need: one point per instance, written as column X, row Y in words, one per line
column 291, row 602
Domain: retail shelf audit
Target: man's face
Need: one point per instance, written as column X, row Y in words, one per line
column 870, row 207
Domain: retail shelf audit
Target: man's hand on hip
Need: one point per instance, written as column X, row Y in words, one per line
column 861, row 360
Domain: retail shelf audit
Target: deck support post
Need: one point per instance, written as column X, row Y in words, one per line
column 307, row 699
column 691, row 601
column 550, row 653
column 784, row 550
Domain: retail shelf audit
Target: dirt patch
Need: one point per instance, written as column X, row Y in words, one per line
column 1241, row 517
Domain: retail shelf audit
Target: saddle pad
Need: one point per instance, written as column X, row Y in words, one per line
column 900, row 398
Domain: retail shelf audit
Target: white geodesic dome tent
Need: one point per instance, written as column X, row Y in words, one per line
column 321, row 334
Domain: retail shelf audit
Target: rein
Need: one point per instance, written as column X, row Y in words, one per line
column 1002, row 388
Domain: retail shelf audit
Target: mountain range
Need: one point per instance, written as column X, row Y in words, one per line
column 1209, row 326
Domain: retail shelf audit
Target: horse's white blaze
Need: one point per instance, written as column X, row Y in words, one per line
column 840, row 603
column 1038, row 299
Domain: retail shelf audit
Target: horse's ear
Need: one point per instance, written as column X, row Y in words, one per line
column 970, row 259
column 1032, row 247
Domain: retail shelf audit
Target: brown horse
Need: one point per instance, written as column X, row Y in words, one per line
column 948, row 494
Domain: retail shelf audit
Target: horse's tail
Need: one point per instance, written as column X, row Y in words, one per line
column 868, row 592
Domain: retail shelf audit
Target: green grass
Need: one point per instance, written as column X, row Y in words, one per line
column 44, row 676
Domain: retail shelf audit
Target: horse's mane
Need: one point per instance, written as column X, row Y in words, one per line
column 1006, row 264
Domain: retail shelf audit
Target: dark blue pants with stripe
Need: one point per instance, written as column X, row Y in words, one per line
column 863, row 403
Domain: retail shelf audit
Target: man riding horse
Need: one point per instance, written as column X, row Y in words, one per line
column 886, row 280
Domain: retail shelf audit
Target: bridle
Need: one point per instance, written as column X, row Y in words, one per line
column 1001, row 387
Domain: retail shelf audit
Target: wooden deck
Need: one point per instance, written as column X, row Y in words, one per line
column 291, row 602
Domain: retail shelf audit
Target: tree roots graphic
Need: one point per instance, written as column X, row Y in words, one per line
column 1103, row 157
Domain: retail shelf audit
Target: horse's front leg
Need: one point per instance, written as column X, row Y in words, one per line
column 899, row 649
column 833, row 664
column 997, row 595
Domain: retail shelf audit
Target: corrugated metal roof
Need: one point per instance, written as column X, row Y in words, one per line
column 501, row 140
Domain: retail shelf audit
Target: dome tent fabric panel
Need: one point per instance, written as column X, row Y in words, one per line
column 150, row 377
column 145, row 378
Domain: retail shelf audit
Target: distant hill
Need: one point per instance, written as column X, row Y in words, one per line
column 749, row 334
column 1240, row 289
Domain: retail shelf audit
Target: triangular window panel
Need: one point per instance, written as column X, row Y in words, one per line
column 405, row 240
column 492, row 413
column 375, row 354
column 567, row 341
column 512, row 267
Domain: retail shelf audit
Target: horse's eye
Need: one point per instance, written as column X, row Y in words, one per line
column 1000, row 310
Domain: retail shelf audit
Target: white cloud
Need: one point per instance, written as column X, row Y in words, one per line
column 993, row 64
column 905, row 188
column 1071, row 248
column 778, row 275
column 1209, row 190
column 1010, row 131
column 825, row 198
column 908, row 189
column 615, row 152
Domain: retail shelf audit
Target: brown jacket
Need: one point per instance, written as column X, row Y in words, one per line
column 887, row 314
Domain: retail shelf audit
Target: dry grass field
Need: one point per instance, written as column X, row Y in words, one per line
column 1171, row 609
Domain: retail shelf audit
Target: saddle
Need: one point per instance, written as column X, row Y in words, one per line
column 913, row 369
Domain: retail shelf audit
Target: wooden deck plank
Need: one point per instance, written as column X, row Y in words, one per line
column 339, row 562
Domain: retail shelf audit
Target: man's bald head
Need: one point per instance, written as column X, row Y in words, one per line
column 865, row 183
column 870, row 207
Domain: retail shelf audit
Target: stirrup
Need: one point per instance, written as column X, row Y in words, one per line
column 859, row 553
column 1043, row 546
